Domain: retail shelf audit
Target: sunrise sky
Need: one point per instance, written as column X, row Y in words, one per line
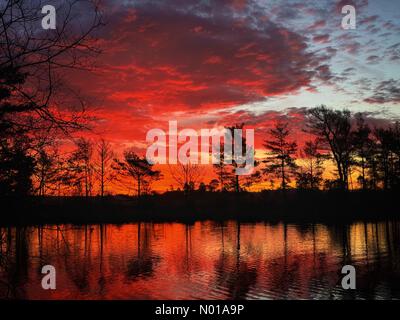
column 211, row 63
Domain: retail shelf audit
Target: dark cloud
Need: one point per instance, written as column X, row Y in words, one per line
column 387, row 91
column 358, row 4
column 393, row 52
column 368, row 20
column 191, row 54
column 317, row 25
column 373, row 59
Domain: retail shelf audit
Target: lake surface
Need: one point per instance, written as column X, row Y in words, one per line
column 206, row 260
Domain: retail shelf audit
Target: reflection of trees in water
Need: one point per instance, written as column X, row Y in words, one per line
column 188, row 248
column 316, row 271
column 74, row 255
column 143, row 263
column 73, row 247
column 383, row 268
column 340, row 237
column 102, row 238
column 5, row 288
column 16, row 258
column 234, row 274
column 377, row 265
column 14, row 262
column 77, row 257
column 307, row 269
column 289, row 269
column 70, row 246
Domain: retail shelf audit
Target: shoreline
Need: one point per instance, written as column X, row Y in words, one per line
column 271, row 206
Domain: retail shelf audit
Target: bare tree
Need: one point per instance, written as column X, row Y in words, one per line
column 333, row 129
column 32, row 59
column 33, row 96
column 47, row 168
column 105, row 155
column 187, row 176
column 80, row 167
column 137, row 168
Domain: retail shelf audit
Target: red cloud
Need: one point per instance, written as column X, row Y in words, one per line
column 322, row 38
column 169, row 62
column 166, row 57
column 317, row 25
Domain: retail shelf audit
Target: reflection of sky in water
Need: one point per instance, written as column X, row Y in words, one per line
column 206, row 260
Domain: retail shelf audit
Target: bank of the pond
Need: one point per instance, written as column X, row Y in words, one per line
column 291, row 206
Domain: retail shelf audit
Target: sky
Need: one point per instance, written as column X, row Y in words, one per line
column 211, row 63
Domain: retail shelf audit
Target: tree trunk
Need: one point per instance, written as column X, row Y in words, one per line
column 138, row 189
column 102, row 177
column 283, row 184
column 364, row 186
column 237, row 188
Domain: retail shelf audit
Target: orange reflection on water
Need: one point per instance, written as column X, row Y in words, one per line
column 206, row 260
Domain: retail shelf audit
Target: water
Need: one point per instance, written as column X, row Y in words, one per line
column 207, row 260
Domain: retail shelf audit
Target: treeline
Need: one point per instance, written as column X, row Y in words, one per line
column 363, row 156
column 354, row 148
column 342, row 141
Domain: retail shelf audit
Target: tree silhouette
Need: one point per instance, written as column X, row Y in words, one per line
column 137, row 168
column 105, row 155
column 388, row 155
column 16, row 168
column 47, row 167
column 363, row 148
column 187, row 176
column 226, row 168
column 80, row 167
column 238, row 160
column 311, row 170
column 253, row 178
column 222, row 171
column 333, row 129
column 32, row 61
column 213, row 185
column 16, row 165
column 33, row 97
column 280, row 152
